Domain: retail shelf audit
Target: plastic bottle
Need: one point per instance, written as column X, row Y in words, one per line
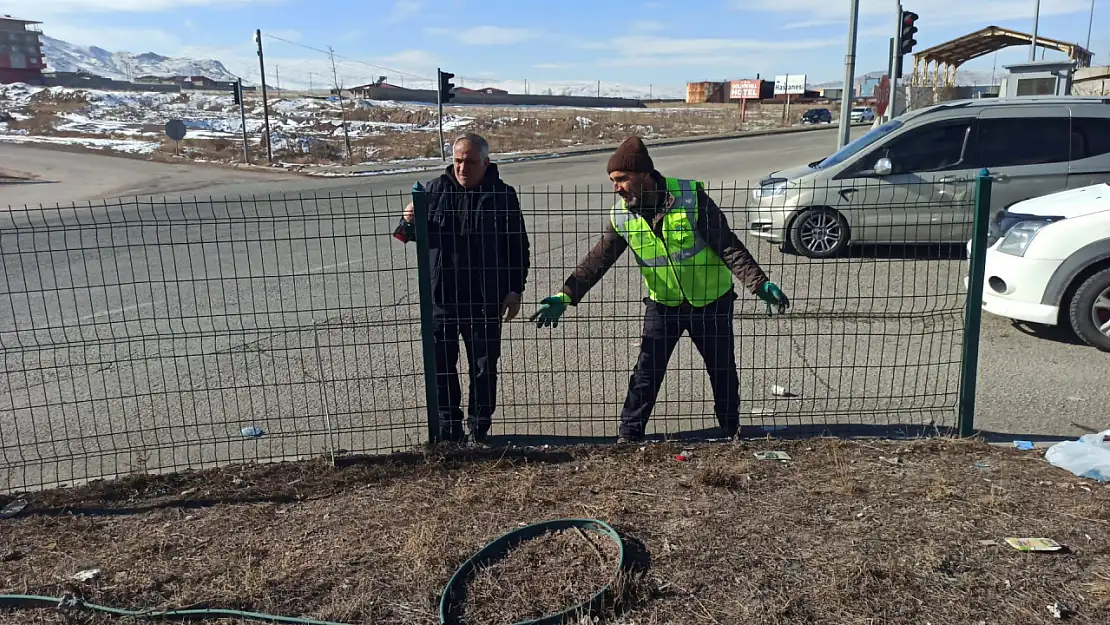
column 1088, row 457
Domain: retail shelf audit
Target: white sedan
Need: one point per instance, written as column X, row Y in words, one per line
column 1048, row 262
column 862, row 114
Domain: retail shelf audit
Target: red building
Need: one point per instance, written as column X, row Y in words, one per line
column 21, row 58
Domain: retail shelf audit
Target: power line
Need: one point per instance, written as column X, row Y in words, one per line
column 338, row 56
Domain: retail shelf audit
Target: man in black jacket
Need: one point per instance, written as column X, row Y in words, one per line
column 478, row 253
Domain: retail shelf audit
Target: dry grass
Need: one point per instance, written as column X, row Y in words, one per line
column 573, row 564
column 845, row 533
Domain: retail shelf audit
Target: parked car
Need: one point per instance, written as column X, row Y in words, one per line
column 911, row 180
column 1048, row 262
column 817, row 116
column 860, row 115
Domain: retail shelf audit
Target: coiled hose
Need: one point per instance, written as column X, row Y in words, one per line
column 453, row 596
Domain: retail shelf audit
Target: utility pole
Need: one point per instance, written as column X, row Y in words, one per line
column 243, row 120
column 277, row 77
column 895, row 52
column 310, row 75
column 599, row 88
column 342, row 106
column 265, row 102
column 849, row 77
column 1090, row 22
column 1036, row 19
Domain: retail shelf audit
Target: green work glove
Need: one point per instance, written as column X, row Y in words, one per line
column 773, row 295
column 551, row 308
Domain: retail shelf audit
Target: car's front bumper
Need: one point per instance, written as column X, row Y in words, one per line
column 1013, row 287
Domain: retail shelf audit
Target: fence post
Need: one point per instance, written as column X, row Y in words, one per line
column 973, row 313
column 427, row 323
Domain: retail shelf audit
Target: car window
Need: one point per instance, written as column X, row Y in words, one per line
column 1090, row 136
column 1013, row 142
column 934, row 147
column 862, row 142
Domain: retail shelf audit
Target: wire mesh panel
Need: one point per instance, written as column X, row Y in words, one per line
column 870, row 345
column 157, row 335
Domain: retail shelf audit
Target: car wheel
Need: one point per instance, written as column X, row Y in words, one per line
column 1090, row 311
column 819, row 233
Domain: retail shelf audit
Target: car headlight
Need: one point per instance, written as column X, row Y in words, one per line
column 770, row 190
column 1019, row 237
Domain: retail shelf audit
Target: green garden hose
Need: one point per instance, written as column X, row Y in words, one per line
column 453, row 593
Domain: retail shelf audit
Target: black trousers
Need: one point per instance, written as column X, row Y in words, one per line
column 710, row 328
column 480, row 329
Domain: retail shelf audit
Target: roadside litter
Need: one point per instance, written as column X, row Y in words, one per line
column 772, row 455
column 1087, row 457
column 1034, row 544
column 1023, row 445
column 13, row 508
column 252, row 432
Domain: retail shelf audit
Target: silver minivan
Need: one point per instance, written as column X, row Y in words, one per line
column 912, row 179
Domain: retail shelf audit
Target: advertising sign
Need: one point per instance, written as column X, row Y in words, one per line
column 791, row 84
column 744, row 90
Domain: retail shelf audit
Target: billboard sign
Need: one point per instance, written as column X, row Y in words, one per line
column 791, row 84
column 744, row 90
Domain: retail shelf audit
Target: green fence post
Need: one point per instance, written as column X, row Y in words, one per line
column 973, row 312
column 427, row 323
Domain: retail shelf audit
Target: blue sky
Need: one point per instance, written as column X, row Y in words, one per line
column 659, row 42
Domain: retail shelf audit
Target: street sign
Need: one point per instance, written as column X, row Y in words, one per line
column 882, row 98
column 744, row 89
column 175, row 129
column 790, row 84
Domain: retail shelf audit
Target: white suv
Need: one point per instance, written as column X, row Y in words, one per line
column 1048, row 262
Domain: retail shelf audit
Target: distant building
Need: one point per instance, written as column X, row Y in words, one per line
column 21, row 58
column 491, row 91
column 701, row 92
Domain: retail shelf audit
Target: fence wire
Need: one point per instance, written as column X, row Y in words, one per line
column 163, row 335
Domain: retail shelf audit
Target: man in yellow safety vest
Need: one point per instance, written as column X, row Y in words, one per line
column 688, row 255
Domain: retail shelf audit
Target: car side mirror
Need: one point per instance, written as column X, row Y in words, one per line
column 883, row 167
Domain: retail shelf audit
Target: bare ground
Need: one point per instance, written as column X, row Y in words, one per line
column 845, row 533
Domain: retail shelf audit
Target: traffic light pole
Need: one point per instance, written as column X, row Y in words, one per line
column 439, row 102
column 895, row 52
column 845, row 131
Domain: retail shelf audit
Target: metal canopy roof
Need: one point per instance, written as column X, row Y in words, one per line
column 991, row 39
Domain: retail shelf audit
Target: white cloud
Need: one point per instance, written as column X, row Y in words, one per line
column 189, row 24
column 486, row 35
column 939, row 12
column 555, row 65
column 404, row 9
column 82, row 7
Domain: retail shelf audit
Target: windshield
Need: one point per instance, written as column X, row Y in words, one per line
column 854, row 147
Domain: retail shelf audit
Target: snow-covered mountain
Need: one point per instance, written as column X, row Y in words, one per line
column 62, row 56
column 67, row 57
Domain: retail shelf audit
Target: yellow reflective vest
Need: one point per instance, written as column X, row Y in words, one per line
column 679, row 266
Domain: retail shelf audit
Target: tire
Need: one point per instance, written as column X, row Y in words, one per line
column 1090, row 311
column 819, row 233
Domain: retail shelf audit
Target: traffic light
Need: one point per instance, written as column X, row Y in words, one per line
column 906, row 42
column 445, row 86
column 237, row 93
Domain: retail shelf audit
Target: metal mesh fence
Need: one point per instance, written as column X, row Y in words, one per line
column 152, row 336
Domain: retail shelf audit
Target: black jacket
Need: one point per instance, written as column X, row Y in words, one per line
column 478, row 248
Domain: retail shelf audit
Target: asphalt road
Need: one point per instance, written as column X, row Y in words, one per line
column 144, row 334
